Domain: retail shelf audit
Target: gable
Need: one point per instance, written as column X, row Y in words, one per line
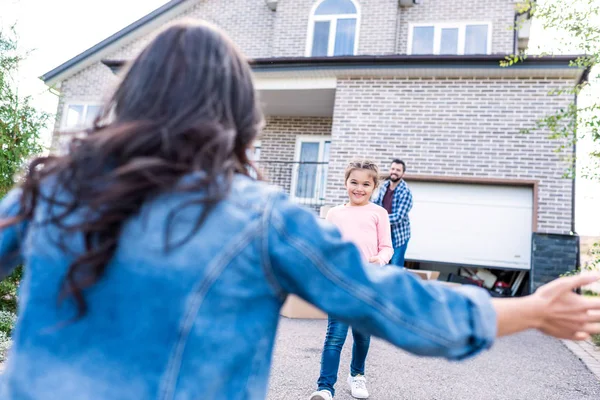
column 248, row 23
column 138, row 29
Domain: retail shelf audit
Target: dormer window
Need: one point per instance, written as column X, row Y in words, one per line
column 333, row 28
column 450, row 38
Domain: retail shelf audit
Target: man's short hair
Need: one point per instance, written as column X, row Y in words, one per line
column 399, row 161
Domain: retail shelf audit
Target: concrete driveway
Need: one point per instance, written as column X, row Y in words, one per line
column 528, row 366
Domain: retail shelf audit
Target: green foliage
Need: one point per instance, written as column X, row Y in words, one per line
column 20, row 122
column 8, row 291
column 7, row 320
column 5, row 343
column 595, row 338
column 577, row 27
column 20, row 127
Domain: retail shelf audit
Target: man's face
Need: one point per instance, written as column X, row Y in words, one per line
column 396, row 172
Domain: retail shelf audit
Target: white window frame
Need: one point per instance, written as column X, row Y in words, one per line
column 257, row 143
column 85, row 104
column 333, row 21
column 299, row 140
column 437, row 34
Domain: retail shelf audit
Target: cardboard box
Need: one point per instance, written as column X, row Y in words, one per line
column 295, row 307
column 451, row 284
column 425, row 274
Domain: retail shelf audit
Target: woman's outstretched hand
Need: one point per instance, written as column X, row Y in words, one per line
column 554, row 309
column 565, row 314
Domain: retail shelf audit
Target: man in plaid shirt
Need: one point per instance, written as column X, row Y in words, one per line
column 395, row 196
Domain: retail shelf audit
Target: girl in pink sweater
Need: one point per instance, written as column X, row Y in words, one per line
column 366, row 225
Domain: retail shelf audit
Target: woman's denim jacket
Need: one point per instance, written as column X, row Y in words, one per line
column 198, row 321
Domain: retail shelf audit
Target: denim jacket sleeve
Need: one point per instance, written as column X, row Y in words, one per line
column 10, row 237
column 308, row 258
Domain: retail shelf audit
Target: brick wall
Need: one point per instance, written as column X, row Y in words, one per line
column 379, row 20
column 499, row 12
column 261, row 32
column 278, row 143
column 249, row 23
column 454, row 127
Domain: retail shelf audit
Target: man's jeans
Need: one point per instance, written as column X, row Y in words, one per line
column 330, row 359
column 398, row 257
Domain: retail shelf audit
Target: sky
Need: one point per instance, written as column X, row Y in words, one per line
column 56, row 30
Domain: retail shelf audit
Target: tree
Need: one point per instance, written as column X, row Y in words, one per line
column 20, row 122
column 576, row 25
column 20, row 127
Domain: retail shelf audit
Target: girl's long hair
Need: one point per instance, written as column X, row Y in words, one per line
column 185, row 106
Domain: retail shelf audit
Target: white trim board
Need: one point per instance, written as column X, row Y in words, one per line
column 295, row 84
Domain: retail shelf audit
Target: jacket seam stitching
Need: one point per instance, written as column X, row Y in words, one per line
column 280, row 292
column 195, row 301
column 358, row 290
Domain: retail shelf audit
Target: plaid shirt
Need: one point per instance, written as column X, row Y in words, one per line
column 402, row 203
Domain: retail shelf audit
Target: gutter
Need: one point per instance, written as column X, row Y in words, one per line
column 490, row 61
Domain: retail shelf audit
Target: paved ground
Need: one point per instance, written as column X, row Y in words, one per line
column 528, row 366
column 588, row 353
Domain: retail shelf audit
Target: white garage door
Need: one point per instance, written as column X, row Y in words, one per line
column 469, row 224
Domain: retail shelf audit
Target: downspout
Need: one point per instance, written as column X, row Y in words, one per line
column 573, row 208
column 516, row 29
column 584, row 77
column 574, row 166
column 397, row 39
column 515, row 34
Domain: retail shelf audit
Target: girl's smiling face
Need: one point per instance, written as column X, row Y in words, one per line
column 360, row 185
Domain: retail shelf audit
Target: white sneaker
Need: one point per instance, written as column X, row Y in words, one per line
column 321, row 395
column 358, row 386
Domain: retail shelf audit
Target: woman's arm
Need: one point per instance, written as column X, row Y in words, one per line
column 426, row 318
column 10, row 234
column 311, row 260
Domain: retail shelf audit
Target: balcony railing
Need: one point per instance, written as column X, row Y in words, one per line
column 305, row 182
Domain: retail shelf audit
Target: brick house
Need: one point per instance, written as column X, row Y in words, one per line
column 415, row 79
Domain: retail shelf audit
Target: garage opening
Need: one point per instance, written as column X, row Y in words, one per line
column 473, row 233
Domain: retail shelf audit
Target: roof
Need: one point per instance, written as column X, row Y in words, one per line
column 50, row 77
column 549, row 66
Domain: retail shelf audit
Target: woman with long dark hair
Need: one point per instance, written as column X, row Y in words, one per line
column 155, row 267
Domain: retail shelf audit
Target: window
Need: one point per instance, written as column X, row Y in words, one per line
column 309, row 179
column 333, row 28
column 255, row 155
column 79, row 116
column 450, row 38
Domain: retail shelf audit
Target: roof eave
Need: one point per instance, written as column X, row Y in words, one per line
column 399, row 61
column 53, row 77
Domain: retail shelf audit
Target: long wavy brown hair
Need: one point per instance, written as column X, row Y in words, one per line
column 186, row 106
